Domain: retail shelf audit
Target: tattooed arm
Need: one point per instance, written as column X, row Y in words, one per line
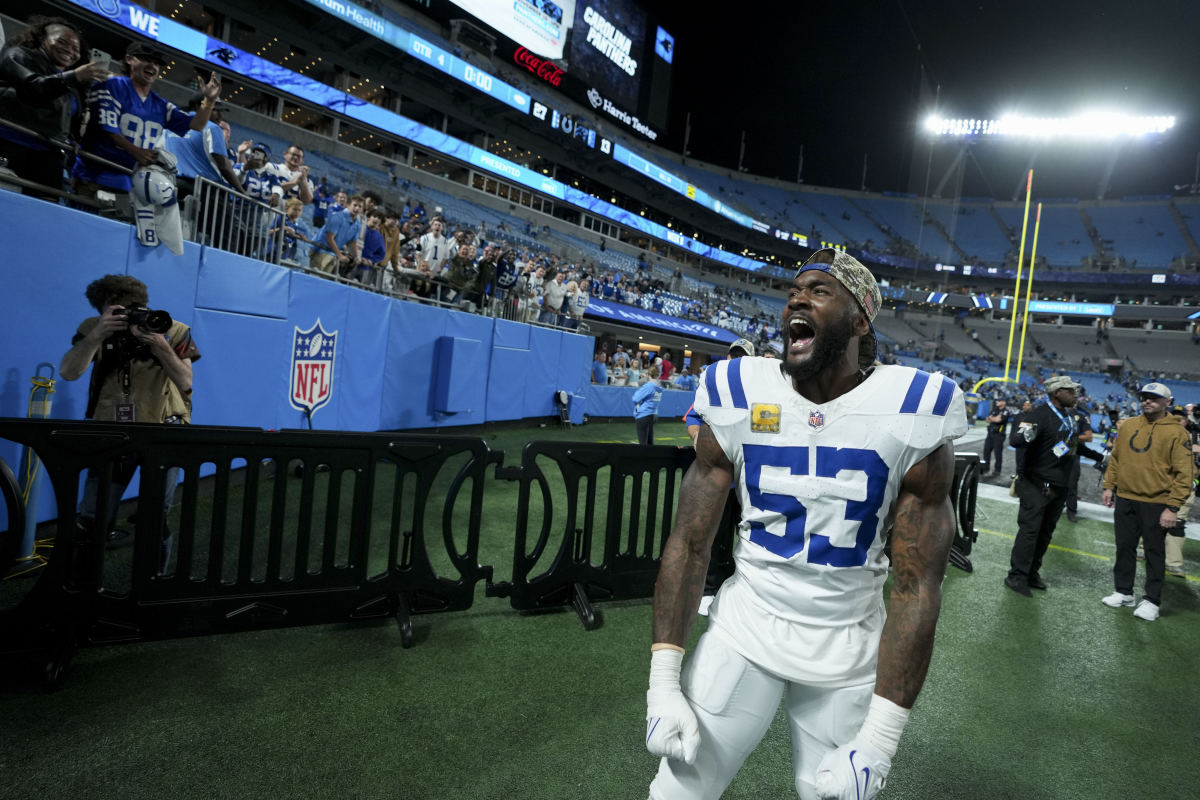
column 685, row 557
column 671, row 727
column 921, row 539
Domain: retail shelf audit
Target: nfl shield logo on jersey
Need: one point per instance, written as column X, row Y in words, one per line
column 815, row 419
column 313, row 354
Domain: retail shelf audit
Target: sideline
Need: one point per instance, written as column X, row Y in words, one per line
column 1072, row 551
column 1093, row 511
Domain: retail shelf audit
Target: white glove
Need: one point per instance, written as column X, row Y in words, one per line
column 855, row 771
column 858, row 770
column 671, row 727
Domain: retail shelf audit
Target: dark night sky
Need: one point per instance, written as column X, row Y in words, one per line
column 843, row 79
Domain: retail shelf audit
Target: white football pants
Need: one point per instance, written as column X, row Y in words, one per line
column 735, row 701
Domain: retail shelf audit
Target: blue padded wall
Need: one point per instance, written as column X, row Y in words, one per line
column 229, row 282
column 456, row 363
column 312, row 300
column 506, row 396
column 238, row 345
column 360, row 380
column 244, row 314
column 542, row 374
column 471, row 327
column 408, row 376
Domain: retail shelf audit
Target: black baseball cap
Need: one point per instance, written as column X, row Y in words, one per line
column 147, row 52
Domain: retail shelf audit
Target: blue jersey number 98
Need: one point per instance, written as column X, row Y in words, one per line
column 829, row 462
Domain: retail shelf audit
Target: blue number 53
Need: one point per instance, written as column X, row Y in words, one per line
column 830, row 461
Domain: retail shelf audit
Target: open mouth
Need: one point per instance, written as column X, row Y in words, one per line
column 800, row 334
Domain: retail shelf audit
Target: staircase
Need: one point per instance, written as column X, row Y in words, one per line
column 893, row 238
column 1102, row 250
column 1012, row 238
column 937, row 225
column 1183, row 228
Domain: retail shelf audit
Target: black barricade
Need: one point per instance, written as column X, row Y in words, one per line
column 963, row 493
column 382, row 525
column 605, row 544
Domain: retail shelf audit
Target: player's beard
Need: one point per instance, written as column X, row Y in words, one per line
column 828, row 348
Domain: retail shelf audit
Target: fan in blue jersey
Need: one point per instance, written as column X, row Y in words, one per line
column 322, row 198
column 827, row 451
column 203, row 153
column 260, row 183
column 125, row 121
column 257, row 178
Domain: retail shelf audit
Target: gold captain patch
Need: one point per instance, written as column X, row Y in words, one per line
column 764, row 418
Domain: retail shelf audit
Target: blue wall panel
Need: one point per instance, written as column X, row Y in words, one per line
column 617, row 401
column 505, row 391
column 575, row 359
column 481, row 329
column 514, row 335
column 456, row 363
column 226, row 280
column 170, row 279
column 360, row 368
column 408, row 378
column 237, row 380
column 313, row 300
column 543, row 375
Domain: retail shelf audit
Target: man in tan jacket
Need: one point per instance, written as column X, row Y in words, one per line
column 1150, row 473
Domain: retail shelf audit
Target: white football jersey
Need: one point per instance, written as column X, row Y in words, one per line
column 818, row 486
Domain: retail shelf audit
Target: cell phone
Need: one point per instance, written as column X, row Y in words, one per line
column 99, row 55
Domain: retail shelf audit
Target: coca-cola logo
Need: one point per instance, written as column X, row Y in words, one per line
column 544, row 68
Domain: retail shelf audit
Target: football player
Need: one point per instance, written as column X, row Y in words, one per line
column 827, row 451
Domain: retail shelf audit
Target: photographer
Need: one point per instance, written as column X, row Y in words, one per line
column 142, row 372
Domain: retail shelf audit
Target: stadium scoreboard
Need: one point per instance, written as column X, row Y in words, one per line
column 607, row 55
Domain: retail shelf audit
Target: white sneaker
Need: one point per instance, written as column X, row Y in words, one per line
column 1116, row 600
column 1146, row 610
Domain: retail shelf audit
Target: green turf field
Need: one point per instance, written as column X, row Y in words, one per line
column 1054, row 697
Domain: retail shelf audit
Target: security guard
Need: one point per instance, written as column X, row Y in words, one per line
column 1045, row 438
column 997, row 426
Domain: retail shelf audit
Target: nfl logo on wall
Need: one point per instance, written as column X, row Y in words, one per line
column 815, row 419
column 311, row 383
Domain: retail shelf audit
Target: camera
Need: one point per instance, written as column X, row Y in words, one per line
column 147, row 319
column 127, row 346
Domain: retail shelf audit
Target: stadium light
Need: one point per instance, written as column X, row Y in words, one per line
column 1086, row 125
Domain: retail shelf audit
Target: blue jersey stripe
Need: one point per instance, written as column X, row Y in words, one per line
column 915, row 389
column 945, row 395
column 736, row 392
column 710, row 385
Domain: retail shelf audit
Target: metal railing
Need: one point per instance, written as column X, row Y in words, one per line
column 218, row 216
column 68, row 147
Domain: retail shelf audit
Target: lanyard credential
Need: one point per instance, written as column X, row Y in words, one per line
column 1068, row 422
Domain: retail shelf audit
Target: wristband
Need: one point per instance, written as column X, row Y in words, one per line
column 665, row 646
column 664, row 668
column 883, row 725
